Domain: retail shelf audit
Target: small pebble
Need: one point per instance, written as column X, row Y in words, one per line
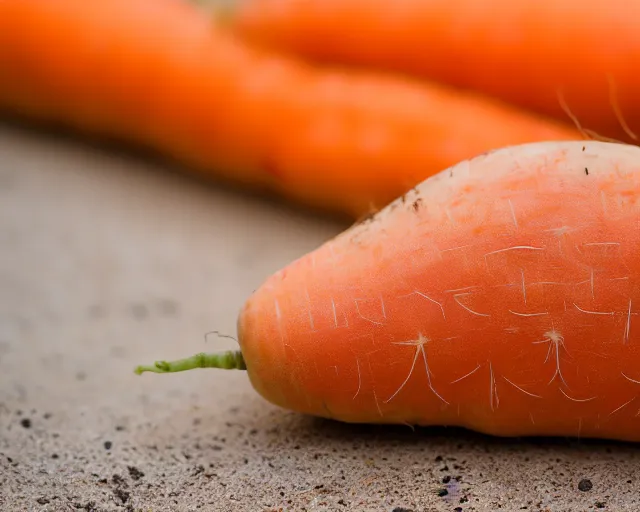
column 585, row 485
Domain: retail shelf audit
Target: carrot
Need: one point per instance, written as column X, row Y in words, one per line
column 501, row 295
column 537, row 54
column 160, row 74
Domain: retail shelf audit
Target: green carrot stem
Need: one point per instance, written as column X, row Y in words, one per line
column 229, row 360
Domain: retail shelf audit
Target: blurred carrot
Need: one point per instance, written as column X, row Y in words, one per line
column 158, row 73
column 538, row 54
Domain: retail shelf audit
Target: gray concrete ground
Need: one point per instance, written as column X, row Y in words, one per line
column 108, row 260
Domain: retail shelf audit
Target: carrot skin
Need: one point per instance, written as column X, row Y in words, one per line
column 161, row 74
column 500, row 295
column 524, row 52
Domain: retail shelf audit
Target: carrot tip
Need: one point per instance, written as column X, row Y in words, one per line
column 229, row 360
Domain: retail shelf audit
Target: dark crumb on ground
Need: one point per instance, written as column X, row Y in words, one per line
column 42, row 500
column 108, row 445
column 135, row 473
column 167, row 307
column 401, row 509
column 585, row 485
column 139, row 311
column 442, row 492
column 25, row 422
column 446, row 479
column 600, row 504
column 122, row 495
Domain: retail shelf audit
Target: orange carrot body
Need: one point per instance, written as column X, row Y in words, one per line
column 524, row 52
column 160, row 74
column 501, row 295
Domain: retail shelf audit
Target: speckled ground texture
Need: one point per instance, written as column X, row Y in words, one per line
column 109, row 259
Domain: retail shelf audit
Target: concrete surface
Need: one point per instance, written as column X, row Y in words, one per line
column 106, row 261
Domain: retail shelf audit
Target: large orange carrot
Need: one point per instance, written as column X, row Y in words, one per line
column 501, row 295
column 159, row 73
column 537, row 54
